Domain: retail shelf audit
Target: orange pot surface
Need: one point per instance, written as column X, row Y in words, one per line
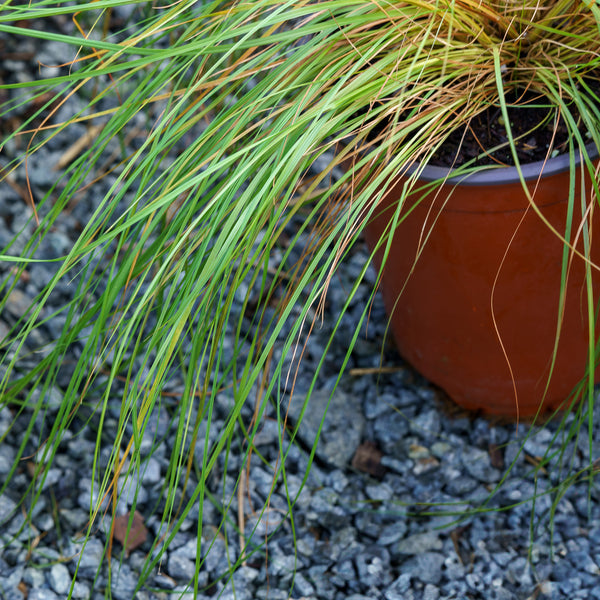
column 478, row 314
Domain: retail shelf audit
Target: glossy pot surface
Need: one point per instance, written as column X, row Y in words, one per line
column 473, row 286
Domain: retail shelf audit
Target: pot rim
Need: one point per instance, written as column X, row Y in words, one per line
column 504, row 175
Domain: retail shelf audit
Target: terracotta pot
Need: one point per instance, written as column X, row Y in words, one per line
column 478, row 314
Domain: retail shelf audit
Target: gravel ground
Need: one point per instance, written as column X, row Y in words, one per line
column 384, row 513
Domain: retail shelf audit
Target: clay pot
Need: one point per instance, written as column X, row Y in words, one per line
column 478, row 313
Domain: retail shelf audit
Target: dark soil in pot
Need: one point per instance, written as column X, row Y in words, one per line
column 539, row 134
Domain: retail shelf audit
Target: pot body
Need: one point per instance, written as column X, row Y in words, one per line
column 473, row 287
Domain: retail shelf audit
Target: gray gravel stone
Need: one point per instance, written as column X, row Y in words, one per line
column 53, row 400
column 12, row 594
column 427, row 424
column 91, row 556
column 390, row 534
column 303, row 586
column 150, row 471
column 380, row 492
column 283, row 564
column 478, row 465
column 180, row 567
column 378, row 405
column 131, row 492
column 373, row 566
column 268, row 434
column 396, row 465
column 4, row 329
column 461, row 485
column 390, row 433
column 239, row 593
column 184, row 547
column 337, row 480
column 264, row 522
column 583, row 561
column 81, row 590
column 428, row 567
column 537, row 444
column 431, row 592
column 475, row 582
column 399, row 587
column 419, row 543
column 17, row 303
column 33, row 578
column 53, row 476
column 262, row 480
column 7, row 459
column 343, row 428
column 10, row 578
column 454, row 567
column 89, row 496
column 519, row 571
column 59, row 578
column 344, row 572
column 123, row 583
column 268, row 593
column 442, row 449
column 42, row 594
column 215, row 558
column 76, row 517
column 7, row 507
